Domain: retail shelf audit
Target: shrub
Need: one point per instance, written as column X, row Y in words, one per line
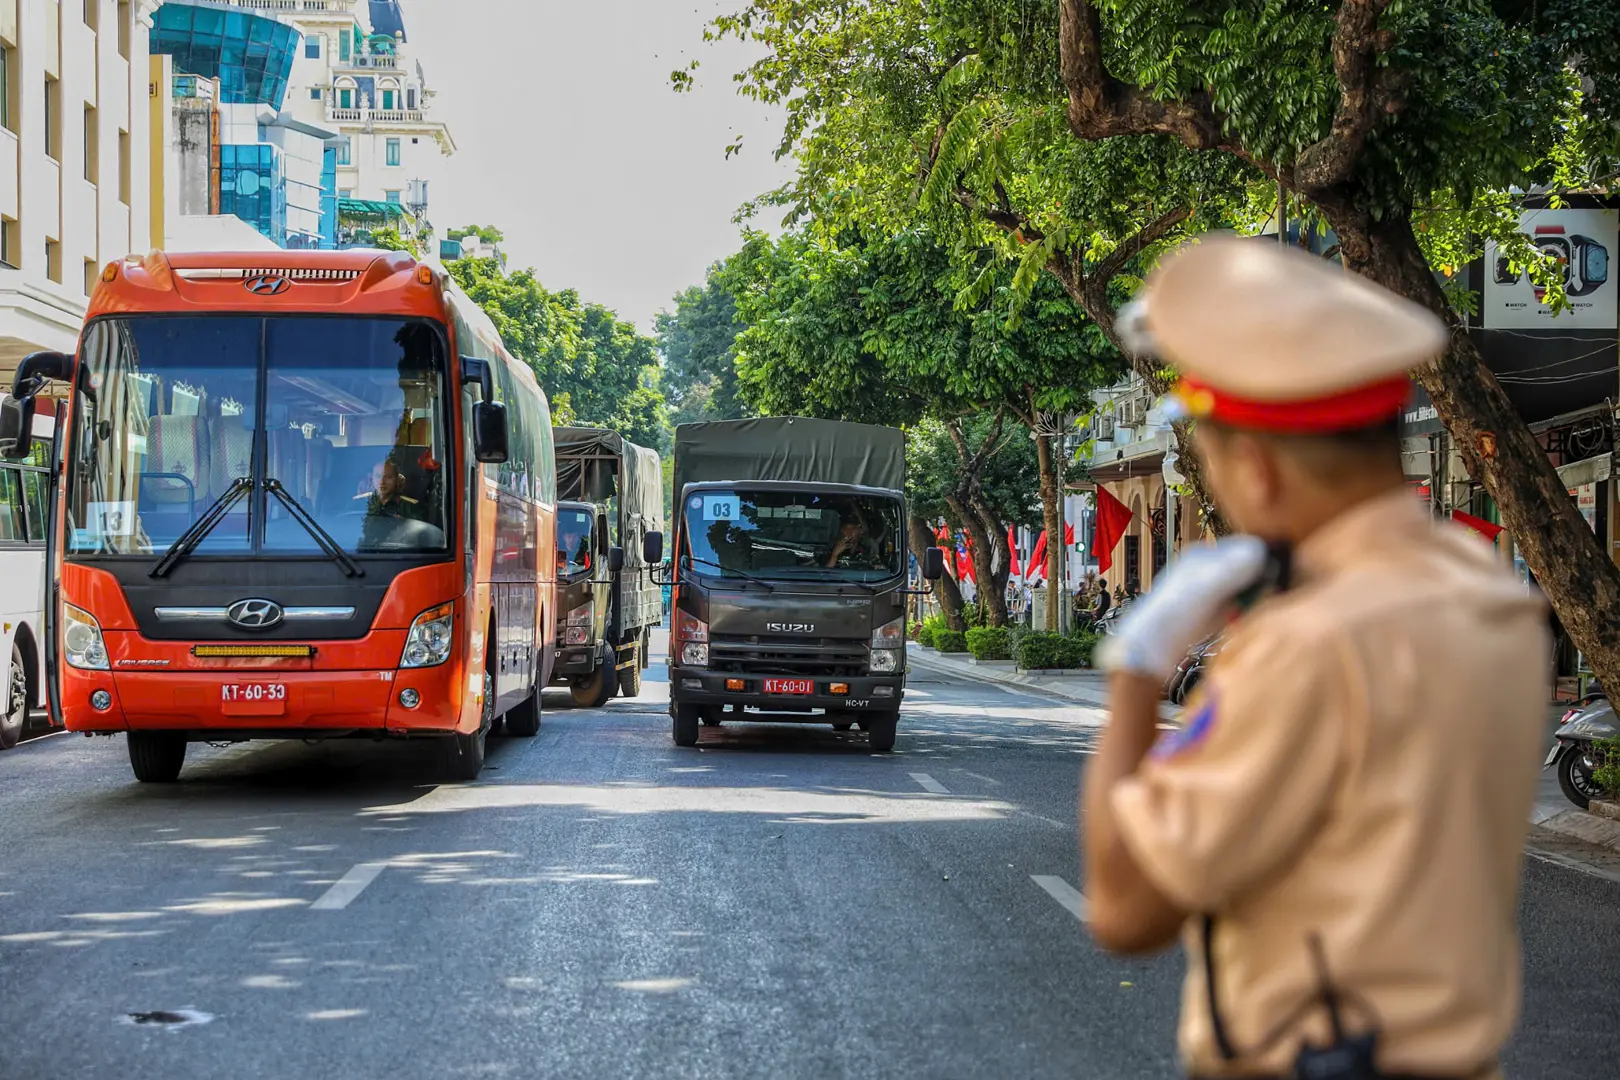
column 950, row 641
column 1606, row 753
column 989, row 643
column 925, row 635
column 1040, row 649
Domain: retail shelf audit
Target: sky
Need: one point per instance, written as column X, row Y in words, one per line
column 571, row 141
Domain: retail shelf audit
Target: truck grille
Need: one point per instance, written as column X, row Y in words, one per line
column 748, row 654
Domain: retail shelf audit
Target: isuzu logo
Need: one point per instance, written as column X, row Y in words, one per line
column 268, row 285
column 791, row 627
column 255, row 614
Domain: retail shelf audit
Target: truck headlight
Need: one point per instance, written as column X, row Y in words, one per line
column 577, row 635
column 885, row 661
column 81, row 640
column 891, row 635
column 693, row 635
column 695, row 654
column 428, row 644
column 581, row 616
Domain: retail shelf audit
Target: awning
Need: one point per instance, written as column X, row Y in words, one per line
column 368, row 208
column 1589, row 471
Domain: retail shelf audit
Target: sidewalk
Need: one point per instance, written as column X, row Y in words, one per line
column 1559, row 831
column 1086, row 687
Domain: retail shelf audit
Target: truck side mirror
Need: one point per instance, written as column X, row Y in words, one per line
column 489, row 433
column 38, row 367
column 652, row 548
column 16, row 427
column 934, row 563
column 615, row 559
column 603, row 541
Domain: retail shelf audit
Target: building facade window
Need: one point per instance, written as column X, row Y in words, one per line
column 251, row 55
column 343, row 47
column 312, row 47
column 343, row 153
column 53, row 118
column 345, row 193
column 11, row 242
column 391, row 197
column 53, row 261
column 126, row 22
column 388, row 100
column 90, row 276
column 125, row 167
column 92, row 144
column 92, row 13
column 393, row 152
column 345, row 98
column 8, row 67
column 410, row 98
column 314, row 93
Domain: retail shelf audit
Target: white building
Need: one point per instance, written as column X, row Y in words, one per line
column 74, row 161
column 357, row 74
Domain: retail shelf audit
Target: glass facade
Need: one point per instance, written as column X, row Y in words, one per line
column 252, row 56
column 329, row 199
column 251, row 187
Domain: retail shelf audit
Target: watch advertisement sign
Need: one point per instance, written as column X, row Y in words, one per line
column 1583, row 242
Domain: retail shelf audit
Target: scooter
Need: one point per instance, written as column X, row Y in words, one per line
column 1192, row 669
column 1572, row 754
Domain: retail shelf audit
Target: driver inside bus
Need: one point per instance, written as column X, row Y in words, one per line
column 388, row 498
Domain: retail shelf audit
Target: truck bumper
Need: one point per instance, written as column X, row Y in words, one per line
column 865, row 693
column 573, row 662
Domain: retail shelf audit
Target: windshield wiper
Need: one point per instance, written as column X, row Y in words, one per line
column 726, row 570
column 187, row 541
column 329, row 546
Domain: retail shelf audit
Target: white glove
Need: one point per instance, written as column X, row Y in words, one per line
column 1185, row 606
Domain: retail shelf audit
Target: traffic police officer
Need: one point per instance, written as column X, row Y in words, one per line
column 1338, row 825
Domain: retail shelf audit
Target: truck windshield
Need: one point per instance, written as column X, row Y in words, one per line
column 792, row 534
column 348, row 414
column 574, row 540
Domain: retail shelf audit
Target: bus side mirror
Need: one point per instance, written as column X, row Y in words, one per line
column 36, row 368
column 489, row 433
column 652, row 548
column 16, row 427
column 615, row 559
column 474, row 370
column 934, row 563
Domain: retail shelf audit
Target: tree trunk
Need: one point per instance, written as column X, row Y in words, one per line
column 1003, row 551
column 945, row 590
column 981, row 549
column 1573, row 570
column 1054, row 528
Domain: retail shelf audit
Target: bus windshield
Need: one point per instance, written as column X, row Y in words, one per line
column 792, row 534
column 348, row 415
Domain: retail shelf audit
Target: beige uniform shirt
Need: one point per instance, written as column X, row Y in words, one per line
column 1360, row 765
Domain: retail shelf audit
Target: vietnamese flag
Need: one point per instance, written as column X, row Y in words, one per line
column 1037, row 558
column 1113, row 518
column 1489, row 530
column 1012, row 546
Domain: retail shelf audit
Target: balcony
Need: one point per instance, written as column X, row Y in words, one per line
column 371, row 62
column 378, row 116
column 311, row 7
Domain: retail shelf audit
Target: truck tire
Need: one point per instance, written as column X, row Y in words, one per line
column 594, row 690
column 880, row 729
column 630, row 677
column 684, row 724
column 523, row 721
column 156, row 756
column 646, row 647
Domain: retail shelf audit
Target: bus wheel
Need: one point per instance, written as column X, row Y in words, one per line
column 880, row 729
column 464, row 754
column 524, row 721
column 156, row 756
column 685, row 725
column 16, row 714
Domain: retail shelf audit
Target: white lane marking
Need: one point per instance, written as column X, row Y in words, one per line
column 978, row 776
column 929, row 784
column 349, row 886
column 1064, row 893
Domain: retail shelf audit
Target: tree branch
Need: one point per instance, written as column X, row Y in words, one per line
column 1368, row 92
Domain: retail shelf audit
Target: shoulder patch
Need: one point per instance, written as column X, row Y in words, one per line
column 1194, row 732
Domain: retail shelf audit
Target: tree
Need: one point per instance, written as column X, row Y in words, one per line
column 582, row 353
column 874, row 329
column 695, row 340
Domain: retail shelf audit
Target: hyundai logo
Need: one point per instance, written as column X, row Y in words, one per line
column 255, row 614
column 268, row 285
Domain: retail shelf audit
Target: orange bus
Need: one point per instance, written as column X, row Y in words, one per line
column 298, row 496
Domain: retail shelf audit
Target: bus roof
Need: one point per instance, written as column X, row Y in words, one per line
column 355, row 282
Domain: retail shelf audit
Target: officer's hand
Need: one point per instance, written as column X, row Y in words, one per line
column 1186, row 605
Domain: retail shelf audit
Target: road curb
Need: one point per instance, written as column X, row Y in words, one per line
column 1050, row 686
column 1596, row 829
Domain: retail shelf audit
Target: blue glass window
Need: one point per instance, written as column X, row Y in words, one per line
column 312, row 48
column 314, row 93
column 252, row 56
column 343, row 153
column 345, row 100
column 392, row 197
column 393, row 151
column 388, row 103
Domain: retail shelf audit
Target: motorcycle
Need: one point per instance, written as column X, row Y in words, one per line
column 1192, row 668
column 1572, row 753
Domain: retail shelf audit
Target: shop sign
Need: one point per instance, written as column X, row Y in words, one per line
column 1579, row 243
column 1585, row 496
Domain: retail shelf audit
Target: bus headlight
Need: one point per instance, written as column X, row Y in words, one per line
column 885, row 661
column 428, row 644
column 81, row 640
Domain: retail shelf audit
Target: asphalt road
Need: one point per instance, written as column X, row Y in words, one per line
column 777, row 903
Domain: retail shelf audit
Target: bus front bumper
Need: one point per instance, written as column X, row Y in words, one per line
column 297, row 703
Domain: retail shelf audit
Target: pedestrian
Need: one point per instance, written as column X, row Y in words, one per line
column 1363, row 752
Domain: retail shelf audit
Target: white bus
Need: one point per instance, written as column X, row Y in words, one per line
column 25, row 496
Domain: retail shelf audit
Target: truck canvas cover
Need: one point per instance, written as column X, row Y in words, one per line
column 792, row 448
column 594, row 465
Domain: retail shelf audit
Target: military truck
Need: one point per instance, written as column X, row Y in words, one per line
column 790, row 575
column 611, row 498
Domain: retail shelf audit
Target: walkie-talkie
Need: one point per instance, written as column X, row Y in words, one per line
column 1276, row 577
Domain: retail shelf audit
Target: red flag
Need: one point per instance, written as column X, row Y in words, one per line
column 1012, row 546
column 964, row 565
column 1485, row 528
column 1113, row 518
column 1068, row 533
column 1037, row 558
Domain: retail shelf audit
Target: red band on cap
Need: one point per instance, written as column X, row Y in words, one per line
column 1349, row 410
